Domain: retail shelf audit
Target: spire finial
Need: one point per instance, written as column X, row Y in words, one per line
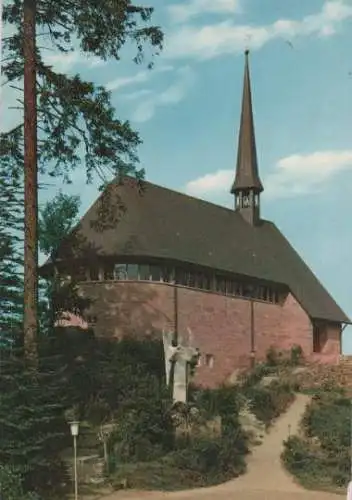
column 247, row 181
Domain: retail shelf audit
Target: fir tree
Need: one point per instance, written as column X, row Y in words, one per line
column 11, row 230
column 33, row 429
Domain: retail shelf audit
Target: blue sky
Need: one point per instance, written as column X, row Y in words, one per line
column 187, row 111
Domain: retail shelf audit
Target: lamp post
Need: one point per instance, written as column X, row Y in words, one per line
column 252, row 327
column 74, row 427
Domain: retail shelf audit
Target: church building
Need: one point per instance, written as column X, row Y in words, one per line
column 226, row 278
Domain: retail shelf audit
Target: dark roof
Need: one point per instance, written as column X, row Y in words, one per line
column 165, row 224
column 247, row 175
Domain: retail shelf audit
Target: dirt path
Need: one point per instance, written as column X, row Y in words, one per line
column 266, row 478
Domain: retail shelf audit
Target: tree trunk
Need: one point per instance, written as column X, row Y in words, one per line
column 30, row 184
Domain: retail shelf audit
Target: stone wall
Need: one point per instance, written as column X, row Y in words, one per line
column 220, row 325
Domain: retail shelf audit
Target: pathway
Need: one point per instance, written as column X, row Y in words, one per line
column 266, row 478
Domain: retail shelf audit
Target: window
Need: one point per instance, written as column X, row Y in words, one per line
column 198, row 280
column 92, row 320
column 262, row 293
column 155, row 273
column 207, row 282
column 132, row 271
column 270, row 295
column 186, row 278
column 209, row 360
column 144, row 272
column 192, row 280
column 120, row 272
column 276, row 297
column 246, row 199
column 94, row 273
column 181, row 276
column 319, row 337
column 220, row 284
column 230, row 287
column 108, row 271
column 167, row 274
column 247, row 290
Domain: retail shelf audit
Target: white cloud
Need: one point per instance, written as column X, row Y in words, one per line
column 182, row 12
column 226, row 37
column 172, row 95
column 303, row 174
column 140, row 77
column 209, row 184
column 123, row 81
column 132, row 96
column 64, row 62
column 292, row 176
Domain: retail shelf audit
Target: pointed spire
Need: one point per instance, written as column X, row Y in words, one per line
column 247, row 176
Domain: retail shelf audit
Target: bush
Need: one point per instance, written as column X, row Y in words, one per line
column 225, row 400
column 296, row 355
column 146, row 438
column 11, row 487
column 329, row 421
column 323, row 458
column 33, row 429
column 300, row 460
column 268, row 403
column 216, row 459
column 254, row 376
column 273, row 357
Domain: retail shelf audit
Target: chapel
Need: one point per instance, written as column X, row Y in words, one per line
column 225, row 278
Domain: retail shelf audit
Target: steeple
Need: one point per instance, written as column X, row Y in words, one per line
column 247, row 185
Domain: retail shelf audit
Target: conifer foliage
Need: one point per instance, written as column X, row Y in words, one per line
column 74, row 114
column 32, row 427
column 11, row 229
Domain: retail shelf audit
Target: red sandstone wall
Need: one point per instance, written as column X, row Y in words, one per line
column 220, row 325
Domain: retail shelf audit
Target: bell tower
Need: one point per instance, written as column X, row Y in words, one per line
column 247, row 185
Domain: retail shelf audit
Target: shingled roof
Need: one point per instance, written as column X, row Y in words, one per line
column 165, row 224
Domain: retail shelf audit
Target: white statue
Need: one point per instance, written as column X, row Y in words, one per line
column 177, row 360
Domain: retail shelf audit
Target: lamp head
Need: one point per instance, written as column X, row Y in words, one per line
column 74, row 427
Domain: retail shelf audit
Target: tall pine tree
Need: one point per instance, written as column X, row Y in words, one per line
column 72, row 113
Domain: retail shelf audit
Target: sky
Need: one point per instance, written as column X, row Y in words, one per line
column 187, row 112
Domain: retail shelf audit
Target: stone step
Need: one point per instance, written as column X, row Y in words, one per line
column 90, row 469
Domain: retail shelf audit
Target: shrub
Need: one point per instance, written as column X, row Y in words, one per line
column 11, row 487
column 296, row 355
column 225, row 400
column 329, row 421
column 323, row 459
column 268, row 403
column 300, row 460
column 273, row 357
column 146, row 438
column 254, row 376
column 33, row 430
